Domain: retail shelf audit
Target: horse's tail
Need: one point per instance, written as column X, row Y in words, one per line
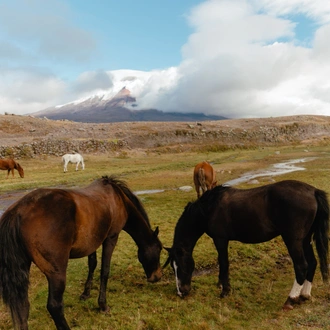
column 201, row 179
column 14, row 267
column 321, row 232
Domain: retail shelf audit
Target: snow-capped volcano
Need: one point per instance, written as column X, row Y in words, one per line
column 128, row 96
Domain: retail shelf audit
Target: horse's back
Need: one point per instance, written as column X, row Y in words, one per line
column 6, row 164
column 259, row 214
column 61, row 220
column 204, row 176
column 72, row 157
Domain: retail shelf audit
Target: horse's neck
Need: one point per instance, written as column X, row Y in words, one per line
column 138, row 228
column 187, row 234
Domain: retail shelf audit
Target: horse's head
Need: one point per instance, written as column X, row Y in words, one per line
column 149, row 257
column 20, row 170
column 183, row 266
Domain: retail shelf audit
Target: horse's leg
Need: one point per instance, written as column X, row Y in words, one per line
column 92, row 262
column 305, row 293
column 65, row 166
column 222, row 248
column 107, row 249
column 8, row 173
column 56, row 287
column 296, row 251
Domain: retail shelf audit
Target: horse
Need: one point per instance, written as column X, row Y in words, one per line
column 50, row 226
column 10, row 165
column 204, row 177
column 73, row 158
column 294, row 210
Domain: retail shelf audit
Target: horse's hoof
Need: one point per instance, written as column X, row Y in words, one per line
column 105, row 310
column 84, row 296
column 287, row 307
column 303, row 298
column 290, row 302
column 224, row 294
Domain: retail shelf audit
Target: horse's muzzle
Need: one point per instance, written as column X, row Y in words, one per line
column 184, row 291
column 155, row 276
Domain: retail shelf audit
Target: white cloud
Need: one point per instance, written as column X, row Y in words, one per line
column 319, row 10
column 234, row 66
column 24, row 90
column 45, row 31
column 243, row 59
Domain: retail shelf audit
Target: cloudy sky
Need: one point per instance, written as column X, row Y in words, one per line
column 235, row 58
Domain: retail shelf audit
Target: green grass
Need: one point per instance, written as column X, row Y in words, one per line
column 261, row 275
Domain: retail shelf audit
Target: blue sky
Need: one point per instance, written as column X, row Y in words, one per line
column 236, row 58
column 142, row 35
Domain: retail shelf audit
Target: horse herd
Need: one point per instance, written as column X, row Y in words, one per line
column 48, row 227
column 10, row 165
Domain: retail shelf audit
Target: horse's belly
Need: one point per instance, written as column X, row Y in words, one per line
column 255, row 237
column 76, row 253
column 84, row 245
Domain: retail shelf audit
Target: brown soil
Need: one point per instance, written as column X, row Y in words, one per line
column 15, row 130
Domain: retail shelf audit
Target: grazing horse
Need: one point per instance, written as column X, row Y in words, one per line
column 10, row 165
column 73, row 158
column 50, row 226
column 204, row 177
column 293, row 209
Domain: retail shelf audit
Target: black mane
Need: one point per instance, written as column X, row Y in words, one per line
column 122, row 185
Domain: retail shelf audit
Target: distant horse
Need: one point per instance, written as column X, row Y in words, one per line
column 10, row 165
column 73, row 158
column 204, row 177
column 293, row 209
column 50, row 226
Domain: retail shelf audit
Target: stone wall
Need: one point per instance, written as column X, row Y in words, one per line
column 60, row 147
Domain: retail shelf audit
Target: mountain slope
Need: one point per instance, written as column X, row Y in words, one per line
column 119, row 108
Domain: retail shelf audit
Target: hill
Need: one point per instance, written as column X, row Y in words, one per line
column 27, row 136
column 118, row 108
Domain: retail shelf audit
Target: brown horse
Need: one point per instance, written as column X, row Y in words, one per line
column 10, row 165
column 50, row 226
column 204, row 177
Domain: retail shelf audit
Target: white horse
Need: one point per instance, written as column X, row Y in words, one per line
column 73, row 158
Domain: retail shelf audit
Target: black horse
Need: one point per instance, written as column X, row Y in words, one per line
column 295, row 210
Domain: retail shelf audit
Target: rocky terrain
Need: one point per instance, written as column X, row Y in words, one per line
column 27, row 136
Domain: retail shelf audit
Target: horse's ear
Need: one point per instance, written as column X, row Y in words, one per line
column 167, row 262
column 156, row 232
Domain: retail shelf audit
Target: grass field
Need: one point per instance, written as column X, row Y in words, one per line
column 261, row 275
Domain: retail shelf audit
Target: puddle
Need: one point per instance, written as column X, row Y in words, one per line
column 152, row 191
column 276, row 169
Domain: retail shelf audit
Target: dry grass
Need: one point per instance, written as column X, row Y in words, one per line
column 261, row 275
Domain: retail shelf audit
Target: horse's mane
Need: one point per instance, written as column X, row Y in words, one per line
column 121, row 186
column 196, row 213
column 213, row 195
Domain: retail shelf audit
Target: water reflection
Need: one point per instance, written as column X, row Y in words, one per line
column 275, row 169
column 152, row 191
